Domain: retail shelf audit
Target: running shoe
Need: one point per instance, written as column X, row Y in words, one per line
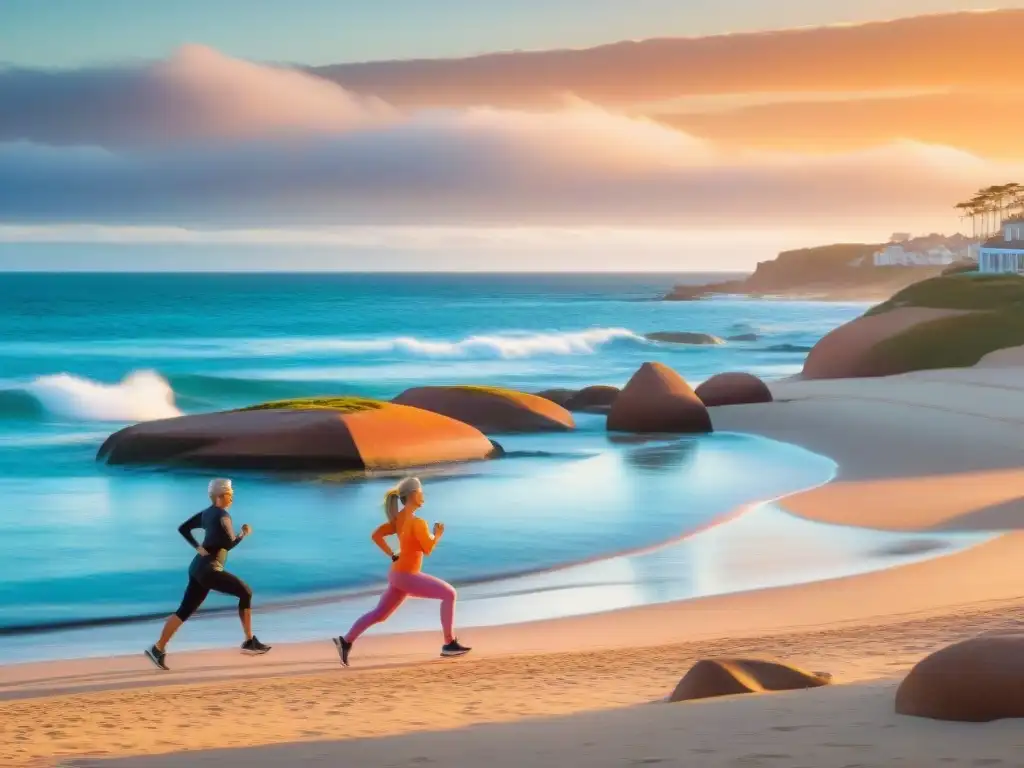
column 344, row 648
column 157, row 657
column 454, row 648
column 254, row 647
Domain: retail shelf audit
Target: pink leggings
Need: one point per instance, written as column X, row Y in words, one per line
column 400, row 586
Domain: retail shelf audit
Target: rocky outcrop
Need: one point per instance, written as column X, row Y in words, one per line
column 657, row 399
column 743, row 337
column 733, row 389
column 558, row 395
column 977, row 680
column 383, row 436
column 596, row 399
column 843, row 271
column 709, row 678
column 683, row 337
column 846, row 351
column 490, row 409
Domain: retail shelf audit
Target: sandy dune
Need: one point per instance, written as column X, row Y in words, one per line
column 919, row 452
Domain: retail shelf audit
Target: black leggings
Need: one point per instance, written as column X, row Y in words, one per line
column 217, row 581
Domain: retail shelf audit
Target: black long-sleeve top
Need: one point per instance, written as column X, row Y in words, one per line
column 218, row 537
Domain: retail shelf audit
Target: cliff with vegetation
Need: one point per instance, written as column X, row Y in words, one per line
column 841, row 272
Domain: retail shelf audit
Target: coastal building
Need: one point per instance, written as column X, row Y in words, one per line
column 898, row 255
column 1005, row 251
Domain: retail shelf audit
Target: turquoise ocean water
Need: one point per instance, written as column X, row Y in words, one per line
column 84, row 354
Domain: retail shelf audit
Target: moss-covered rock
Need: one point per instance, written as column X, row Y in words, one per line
column 950, row 342
column 338, row 404
column 333, row 434
column 951, row 321
column 977, row 291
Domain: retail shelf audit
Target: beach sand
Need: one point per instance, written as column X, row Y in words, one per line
column 922, row 452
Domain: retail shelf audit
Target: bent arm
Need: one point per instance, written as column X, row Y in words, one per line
column 229, row 533
column 426, row 541
column 388, row 529
column 186, row 528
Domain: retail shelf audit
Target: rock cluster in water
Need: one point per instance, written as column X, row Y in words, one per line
column 421, row 426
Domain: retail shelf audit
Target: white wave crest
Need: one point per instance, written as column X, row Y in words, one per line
column 505, row 346
column 140, row 396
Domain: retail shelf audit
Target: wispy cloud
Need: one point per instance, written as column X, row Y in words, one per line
column 196, row 94
column 205, row 140
column 964, row 49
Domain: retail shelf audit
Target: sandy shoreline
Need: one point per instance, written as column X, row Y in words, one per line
column 936, row 451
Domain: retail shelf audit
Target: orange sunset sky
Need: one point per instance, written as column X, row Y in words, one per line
column 192, row 129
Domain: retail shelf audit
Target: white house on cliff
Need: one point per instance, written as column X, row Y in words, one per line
column 1005, row 251
column 898, row 255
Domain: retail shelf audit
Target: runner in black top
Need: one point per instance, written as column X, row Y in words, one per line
column 207, row 572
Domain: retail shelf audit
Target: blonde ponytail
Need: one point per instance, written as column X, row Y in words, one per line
column 391, row 506
column 399, row 494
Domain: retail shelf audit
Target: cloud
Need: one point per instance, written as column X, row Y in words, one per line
column 969, row 50
column 196, row 94
column 204, row 140
column 843, row 124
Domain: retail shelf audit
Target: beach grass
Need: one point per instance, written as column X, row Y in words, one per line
column 950, row 342
column 340, row 404
column 960, row 267
column 967, row 291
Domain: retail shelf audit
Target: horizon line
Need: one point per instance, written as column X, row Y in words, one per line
column 364, row 272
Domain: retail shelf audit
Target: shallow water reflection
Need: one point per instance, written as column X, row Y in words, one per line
column 763, row 548
column 104, row 545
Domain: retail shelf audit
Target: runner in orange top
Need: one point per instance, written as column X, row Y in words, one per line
column 405, row 578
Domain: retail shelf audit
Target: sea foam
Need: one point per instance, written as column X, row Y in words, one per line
column 140, row 396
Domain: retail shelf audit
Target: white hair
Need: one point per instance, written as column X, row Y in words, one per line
column 219, row 486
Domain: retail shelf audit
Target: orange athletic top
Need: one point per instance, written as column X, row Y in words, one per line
column 414, row 541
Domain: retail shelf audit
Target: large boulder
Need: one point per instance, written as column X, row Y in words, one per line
column 491, row 409
column 974, row 681
column 709, row 678
column 952, row 321
column 683, row 337
column 596, row 399
column 558, row 395
column 301, row 435
column 657, row 399
column 733, row 389
column 846, row 352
